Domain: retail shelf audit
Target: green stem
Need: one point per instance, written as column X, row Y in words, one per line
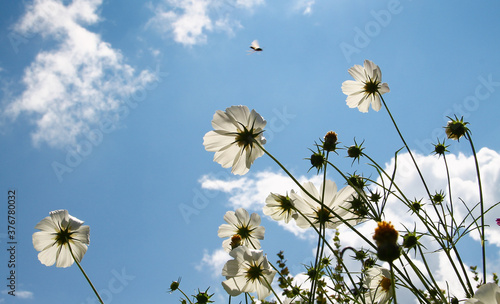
column 187, row 298
column 429, row 272
column 407, row 148
column 272, row 289
column 393, row 283
column 322, row 233
column 462, row 265
column 483, row 247
column 430, row 197
column 315, row 199
column 85, row 275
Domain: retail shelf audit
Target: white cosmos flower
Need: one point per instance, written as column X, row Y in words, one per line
column 57, row 233
column 378, row 283
column 233, row 139
column 279, row 207
column 247, row 227
column 333, row 200
column 486, row 294
column 248, row 272
column 365, row 88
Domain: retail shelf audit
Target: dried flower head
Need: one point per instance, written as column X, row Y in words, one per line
column 317, row 160
column 355, row 151
column 356, row 181
column 438, row 198
column 235, row 241
column 416, row 205
column 440, row 148
column 330, row 142
column 410, row 240
column 202, row 297
column 385, row 233
column 456, row 128
column 386, row 238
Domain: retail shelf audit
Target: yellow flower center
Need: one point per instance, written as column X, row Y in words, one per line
column 385, row 233
column 385, row 283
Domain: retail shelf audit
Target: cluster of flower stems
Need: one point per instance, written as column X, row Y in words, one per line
column 386, row 263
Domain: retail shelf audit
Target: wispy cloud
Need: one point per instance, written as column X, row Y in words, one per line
column 305, row 6
column 189, row 21
column 24, row 294
column 72, row 85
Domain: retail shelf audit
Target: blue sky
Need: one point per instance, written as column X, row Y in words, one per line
column 104, row 105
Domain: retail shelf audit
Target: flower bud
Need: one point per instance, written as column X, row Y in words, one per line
column 330, row 143
column 174, row 285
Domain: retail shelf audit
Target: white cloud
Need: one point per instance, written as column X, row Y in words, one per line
column 21, row 294
column 189, row 21
column 250, row 192
column 70, row 87
column 463, row 183
column 214, row 262
column 304, row 6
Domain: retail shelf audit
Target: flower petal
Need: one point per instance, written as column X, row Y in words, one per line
column 488, row 293
column 79, row 250
column 358, row 73
column 231, row 287
column 63, row 257
column 82, row 235
column 222, row 121
column 214, row 141
column 240, row 114
column 43, row 239
column 59, row 217
column 47, row 224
